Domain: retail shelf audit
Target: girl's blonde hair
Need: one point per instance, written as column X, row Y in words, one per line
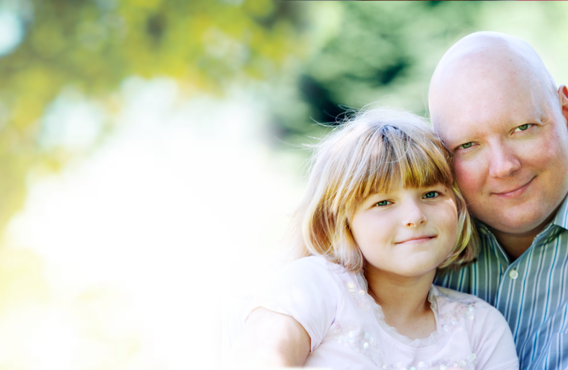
column 377, row 150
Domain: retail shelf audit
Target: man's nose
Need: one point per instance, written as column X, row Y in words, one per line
column 503, row 161
column 414, row 215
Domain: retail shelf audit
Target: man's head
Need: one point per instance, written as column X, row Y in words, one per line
column 497, row 109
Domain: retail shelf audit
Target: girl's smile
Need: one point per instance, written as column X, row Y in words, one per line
column 418, row 239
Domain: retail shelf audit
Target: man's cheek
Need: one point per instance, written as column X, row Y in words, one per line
column 469, row 178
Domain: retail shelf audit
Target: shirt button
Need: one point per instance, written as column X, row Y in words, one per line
column 513, row 274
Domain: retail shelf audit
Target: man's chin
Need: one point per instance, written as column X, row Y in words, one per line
column 520, row 224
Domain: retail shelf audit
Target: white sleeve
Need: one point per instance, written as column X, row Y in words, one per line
column 306, row 290
column 493, row 341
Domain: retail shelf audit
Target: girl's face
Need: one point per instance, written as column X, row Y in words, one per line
column 406, row 232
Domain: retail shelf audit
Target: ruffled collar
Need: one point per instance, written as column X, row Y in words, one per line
column 391, row 331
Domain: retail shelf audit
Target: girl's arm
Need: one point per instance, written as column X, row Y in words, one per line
column 495, row 348
column 271, row 339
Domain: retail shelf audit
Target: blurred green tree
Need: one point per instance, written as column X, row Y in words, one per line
column 386, row 52
column 381, row 51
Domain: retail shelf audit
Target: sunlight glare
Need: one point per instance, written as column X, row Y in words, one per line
column 179, row 211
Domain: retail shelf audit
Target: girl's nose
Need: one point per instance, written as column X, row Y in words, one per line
column 415, row 216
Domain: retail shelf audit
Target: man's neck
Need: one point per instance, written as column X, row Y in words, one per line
column 515, row 244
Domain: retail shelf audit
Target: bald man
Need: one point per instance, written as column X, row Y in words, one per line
column 498, row 110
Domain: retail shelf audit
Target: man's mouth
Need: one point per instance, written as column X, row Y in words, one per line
column 508, row 194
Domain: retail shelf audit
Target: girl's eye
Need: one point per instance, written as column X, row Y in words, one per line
column 383, row 203
column 465, row 146
column 431, row 194
column 523, row 127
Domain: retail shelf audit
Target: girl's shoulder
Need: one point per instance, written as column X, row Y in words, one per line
column 315, row 267
column 307, row 289
column 490, row 340
column 319, row 277
column 313, row 275
column 451, row 295
column 446, row 296
column 454, row 306
column 469, row 305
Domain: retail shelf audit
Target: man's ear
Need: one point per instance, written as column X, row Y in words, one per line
column 563, row 99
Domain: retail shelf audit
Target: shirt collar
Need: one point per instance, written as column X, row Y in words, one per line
column 561, row 218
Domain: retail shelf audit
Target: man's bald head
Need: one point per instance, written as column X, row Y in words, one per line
column 497, row 109
column 484, row 58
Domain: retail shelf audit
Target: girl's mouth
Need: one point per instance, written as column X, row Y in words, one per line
column 418, row 239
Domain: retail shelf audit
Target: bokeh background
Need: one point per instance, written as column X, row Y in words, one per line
column 151, row 154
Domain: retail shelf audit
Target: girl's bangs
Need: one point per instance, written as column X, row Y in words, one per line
column 415, row 164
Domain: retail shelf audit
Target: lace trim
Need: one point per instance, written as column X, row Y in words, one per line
column 358, row 295
column 450, row 320
column 352, row 337
column 446, row 321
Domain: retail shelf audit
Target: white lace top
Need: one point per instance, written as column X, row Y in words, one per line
column 348, row 331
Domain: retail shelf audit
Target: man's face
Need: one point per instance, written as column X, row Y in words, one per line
column 510, row 151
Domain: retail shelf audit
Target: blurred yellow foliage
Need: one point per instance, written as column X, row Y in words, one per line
column 94, row 45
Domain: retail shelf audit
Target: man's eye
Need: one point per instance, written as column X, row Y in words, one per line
column 383, row 203
column 523, row 127
column 431, row 194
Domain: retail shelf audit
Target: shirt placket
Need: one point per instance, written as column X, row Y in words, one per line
column 507, row 296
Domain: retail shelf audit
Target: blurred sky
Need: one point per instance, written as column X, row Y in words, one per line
column 131, row 254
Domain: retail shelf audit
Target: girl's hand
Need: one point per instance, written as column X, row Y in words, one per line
column 271, row 339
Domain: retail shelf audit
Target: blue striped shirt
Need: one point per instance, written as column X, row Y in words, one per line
column 531, row 292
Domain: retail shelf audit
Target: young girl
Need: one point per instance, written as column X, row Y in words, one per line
column 380, row 216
